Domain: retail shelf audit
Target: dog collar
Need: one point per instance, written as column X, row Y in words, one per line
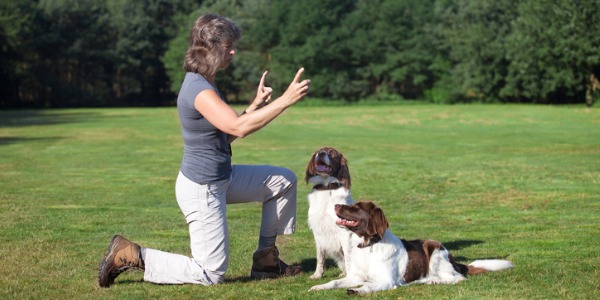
column 325, row 187
column 372, row 241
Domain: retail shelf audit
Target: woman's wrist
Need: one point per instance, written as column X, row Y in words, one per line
column 248, row 110
column 252, row 107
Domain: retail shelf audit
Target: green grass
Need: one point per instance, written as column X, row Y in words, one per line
column 514, row 182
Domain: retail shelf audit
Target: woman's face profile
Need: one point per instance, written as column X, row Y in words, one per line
column 228, row 55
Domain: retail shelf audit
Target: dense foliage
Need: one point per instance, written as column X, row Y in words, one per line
column 58, row 53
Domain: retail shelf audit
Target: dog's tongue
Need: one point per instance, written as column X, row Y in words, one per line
column 322, row 168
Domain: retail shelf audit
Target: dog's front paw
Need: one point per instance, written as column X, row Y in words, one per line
column 316, row 288
column 315, row 276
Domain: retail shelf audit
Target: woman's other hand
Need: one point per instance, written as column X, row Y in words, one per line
column 222, row 116
column 263, row 94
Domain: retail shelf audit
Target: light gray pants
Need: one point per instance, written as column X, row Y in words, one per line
column 203, row 206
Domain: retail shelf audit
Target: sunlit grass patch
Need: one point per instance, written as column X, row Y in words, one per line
column 515, row 182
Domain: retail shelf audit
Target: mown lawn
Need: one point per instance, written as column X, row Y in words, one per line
column 490, row 181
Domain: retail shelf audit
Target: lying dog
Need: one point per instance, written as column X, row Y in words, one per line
column 328, row 172
column 382, row 261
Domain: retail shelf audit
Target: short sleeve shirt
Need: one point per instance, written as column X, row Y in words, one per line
column 206, row 155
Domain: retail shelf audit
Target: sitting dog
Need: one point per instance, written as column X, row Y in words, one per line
column 382, row 261
column 328, row 172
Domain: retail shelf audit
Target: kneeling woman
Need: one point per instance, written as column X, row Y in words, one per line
column 207, row 181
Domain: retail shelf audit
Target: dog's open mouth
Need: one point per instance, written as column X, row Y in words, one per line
column 322, row 167
column 347, row 223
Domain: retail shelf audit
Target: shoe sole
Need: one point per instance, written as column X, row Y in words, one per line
column 104, row 263
column 256, row 275
column 264, row 275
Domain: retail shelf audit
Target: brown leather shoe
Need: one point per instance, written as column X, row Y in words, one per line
column 266, row 264
column 121, row 256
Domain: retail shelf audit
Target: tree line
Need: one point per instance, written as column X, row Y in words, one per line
column 74, row 53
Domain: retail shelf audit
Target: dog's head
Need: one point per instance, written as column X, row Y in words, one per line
column 327, row 166
column 365, row 219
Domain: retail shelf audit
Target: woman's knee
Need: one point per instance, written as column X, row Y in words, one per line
column 289, row 175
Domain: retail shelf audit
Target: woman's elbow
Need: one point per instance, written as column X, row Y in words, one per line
column 244, row 129
column 239, row 133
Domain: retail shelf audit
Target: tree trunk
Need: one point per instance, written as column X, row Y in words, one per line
column 593, row 85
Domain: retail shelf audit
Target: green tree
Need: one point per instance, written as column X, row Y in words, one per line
column 69, row 41
column 59, row 53
column 291, row 36
column 142, row 30
column 555, row 51
column 476, row 33
column 352, row 49
column 390, row 48
column 173, row 57
column 87, row 53
column 238, row 82
column 13, row 25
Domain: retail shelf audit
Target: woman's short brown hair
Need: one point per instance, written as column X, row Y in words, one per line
column 210, row 36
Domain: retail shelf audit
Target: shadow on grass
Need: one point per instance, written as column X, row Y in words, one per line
column 308, row 266
column 239, row 279
column 128, row 281
column 22, row 118
column 457, row 245
column 13, row 140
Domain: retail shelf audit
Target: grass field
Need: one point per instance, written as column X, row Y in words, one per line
column 490, row 181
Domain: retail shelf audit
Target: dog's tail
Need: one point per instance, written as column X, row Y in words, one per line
column 488, row 265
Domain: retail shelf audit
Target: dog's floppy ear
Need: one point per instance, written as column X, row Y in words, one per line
column 344, row 172
column 378, row 224
column 310, row 168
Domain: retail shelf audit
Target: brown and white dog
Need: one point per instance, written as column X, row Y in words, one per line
column 329, row 175
column 382, row 261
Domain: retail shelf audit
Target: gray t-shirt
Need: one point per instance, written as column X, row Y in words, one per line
column 206, row 155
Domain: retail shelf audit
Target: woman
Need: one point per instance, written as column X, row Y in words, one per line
column 207, row 181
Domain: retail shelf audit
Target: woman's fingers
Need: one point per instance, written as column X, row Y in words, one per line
column 261, row 85
column 304, row 85
column 298, row 75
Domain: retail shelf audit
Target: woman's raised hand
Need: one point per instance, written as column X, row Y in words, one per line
column 297, row 89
